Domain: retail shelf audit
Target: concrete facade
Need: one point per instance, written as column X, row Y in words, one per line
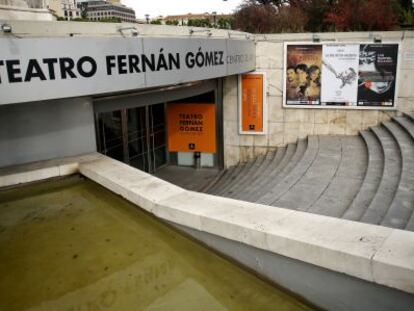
column 46, row 130
column 286, row 125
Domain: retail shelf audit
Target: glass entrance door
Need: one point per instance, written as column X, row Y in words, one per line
column 135, row 136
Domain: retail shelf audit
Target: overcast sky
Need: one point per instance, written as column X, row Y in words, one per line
column 175, row 7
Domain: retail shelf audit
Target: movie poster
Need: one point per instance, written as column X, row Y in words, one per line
column 303, row 74
column 377, row 74
column 340, row 74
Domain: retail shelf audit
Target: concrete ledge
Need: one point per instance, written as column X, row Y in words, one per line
column 373, row 253
column 36, row 171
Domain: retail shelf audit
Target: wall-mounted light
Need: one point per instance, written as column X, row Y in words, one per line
column 6, row 28
column 208, row 31
column 134, row 31
column 377, row 39
column 316, row 38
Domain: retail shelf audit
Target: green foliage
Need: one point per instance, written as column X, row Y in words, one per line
column 172, row 23
column 225, row 23
column 407, row 18
column 156, row 22
column 199, row 23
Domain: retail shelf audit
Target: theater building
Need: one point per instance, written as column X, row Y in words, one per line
column 210, row 110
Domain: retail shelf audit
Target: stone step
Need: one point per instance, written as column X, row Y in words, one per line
column 347, row 180
column 248, row 175
column 264, row 195
column 261, row 172
column 387, row 188
column 296, row 174
column 317, row 178
column 270, row 173
column 372, row 179
column 243, row 174
column 222, row 181
column 406, row 123
column 409, row 115
column 402, row 206
column 231, row 178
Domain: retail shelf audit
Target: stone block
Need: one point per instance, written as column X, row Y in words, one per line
column 321, row 129
column 393, row 264
column 405, row 84
column 246, row 140
column 231, row 155
column 257, row 151
column 306, row 129
column 407, row 54
column 321, row 116
column 231, row 133
column 353, row 122
column 230, row 86
column 405, row 104
column 274, row 85
column 260, row 140
column 348, row 248
column 246, row 153
column 276, row 133
column 275, row 110
column 369, row 118
column 269, row 55
column 230, row 108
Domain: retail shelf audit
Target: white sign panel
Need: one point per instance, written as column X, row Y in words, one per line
column 49, row 68
column 340, row 73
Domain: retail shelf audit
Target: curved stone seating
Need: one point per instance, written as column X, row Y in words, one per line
column 367, row 178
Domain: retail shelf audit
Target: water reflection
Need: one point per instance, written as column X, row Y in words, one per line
column 71, row 245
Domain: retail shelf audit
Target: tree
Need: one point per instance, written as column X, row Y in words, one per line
column 199, row 23
column 363, row 15
column 173, row 22
column 156, row 22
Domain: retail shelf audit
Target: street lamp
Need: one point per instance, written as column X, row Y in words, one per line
column 147, row 18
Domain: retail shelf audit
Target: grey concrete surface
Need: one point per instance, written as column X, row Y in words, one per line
column 46, row 130
column 367, row 178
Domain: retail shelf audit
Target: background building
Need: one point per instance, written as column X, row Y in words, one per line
column 100, row 10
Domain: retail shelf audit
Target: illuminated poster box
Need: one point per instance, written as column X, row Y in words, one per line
column 191, row 127
column 341, row 75
column 252, row 103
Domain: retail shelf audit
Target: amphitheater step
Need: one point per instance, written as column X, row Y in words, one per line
column 312, row 185
column 402, row 205
column 272, row 183
column 367, row 178
column 292, row 178
column 382, row 200
column 372, row 179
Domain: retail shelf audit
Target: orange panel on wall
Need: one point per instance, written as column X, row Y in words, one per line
column 191, row 127
column 252, row 103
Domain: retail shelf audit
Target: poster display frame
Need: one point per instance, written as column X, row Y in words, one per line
column 397, row 76
column 264, row 108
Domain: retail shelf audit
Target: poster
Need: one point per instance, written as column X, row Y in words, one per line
column 377, row 74
column 191, row 127
column 352, row 75
column 303, row 74
column 340, row 74
column 252, row 108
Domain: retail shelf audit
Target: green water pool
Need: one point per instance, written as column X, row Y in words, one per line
column 72, row 245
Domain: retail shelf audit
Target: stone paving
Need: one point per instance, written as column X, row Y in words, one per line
column 367, row 178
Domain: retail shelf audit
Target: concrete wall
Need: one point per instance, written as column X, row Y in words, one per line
column 46, row 130
column 286, row 125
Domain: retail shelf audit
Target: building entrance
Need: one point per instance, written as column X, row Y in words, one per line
column 135, row 136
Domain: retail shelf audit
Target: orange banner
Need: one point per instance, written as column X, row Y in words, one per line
column 252, row 103
column 191, row 127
